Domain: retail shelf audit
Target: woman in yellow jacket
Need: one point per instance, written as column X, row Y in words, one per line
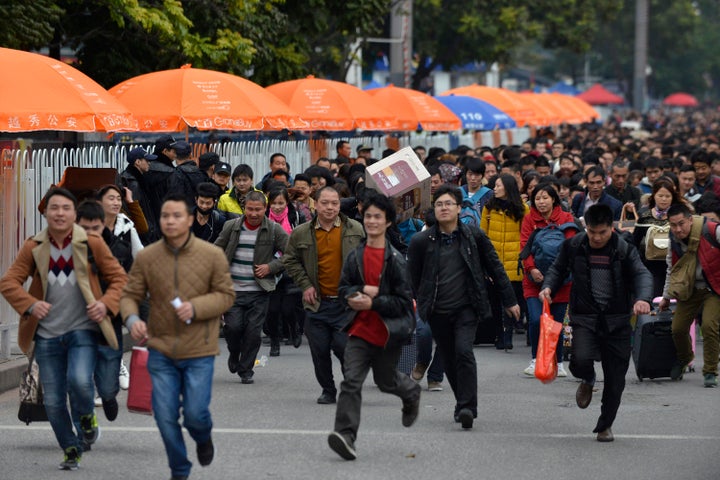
column 501, row 221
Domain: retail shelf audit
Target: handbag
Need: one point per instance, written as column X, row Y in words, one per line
column 657, row 241
column 140, row 391
column 31, row 408
column 546, row 361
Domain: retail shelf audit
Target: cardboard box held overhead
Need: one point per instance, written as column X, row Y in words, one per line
column 402, row 177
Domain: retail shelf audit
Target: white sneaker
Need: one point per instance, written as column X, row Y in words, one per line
column 530, row 370
column 561, row 370
column 124, row 376
column 98, row 401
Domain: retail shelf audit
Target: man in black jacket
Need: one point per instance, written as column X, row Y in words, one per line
column 187, row 175
column 448, row 264
column 375, row 287
column 157, row 182
column 133, row 177
column 609, row 282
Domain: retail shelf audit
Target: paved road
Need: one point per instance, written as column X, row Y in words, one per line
column 526, row 430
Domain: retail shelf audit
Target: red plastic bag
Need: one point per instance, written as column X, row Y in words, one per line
column 546, row 361
column 140, row 392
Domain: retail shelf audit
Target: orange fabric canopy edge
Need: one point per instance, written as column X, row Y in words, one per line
column 413, row 107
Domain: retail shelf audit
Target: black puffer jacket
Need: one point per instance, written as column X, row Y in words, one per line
column 394, row 300
column 631, row 281
column 479, row 256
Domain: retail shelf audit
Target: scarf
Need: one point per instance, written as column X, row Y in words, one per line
column 659, row 214
column 282, row 219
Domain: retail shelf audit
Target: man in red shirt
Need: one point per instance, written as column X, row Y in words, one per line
column 376, row 288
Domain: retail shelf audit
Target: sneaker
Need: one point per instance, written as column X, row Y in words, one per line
column 90, row 428
column 110, row 407
column 561, row 371
column 124, row 376
column 435, row 387
column 342, row 446
column 530, row 370
column 418, row 372
column 711, row 380
column 677, row 370
column 71, row 459
column 98, row 401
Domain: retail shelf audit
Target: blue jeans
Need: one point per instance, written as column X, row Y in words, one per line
column 177, row 384
column 435, row 372
column 107, row 368
column 534, row 306
column 66, row 366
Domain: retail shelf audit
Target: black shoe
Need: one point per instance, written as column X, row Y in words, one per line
column 465, row 417
column 179, row 477
column 275, row 350
column 297, row 341
column 605, row 436
column 677, row 370
column 411, row 409
column 245, row 380
column 205, row 452
column 233, row 363
column 342, row 446
column 583, row 396
column 110, row 407
column 90, row 428
column 326, row 399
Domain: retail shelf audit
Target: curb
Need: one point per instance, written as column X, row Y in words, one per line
column 11, row 370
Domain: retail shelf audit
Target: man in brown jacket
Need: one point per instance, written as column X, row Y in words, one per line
column 189, row 284
column 63, row 313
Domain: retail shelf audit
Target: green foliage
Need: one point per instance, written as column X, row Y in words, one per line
column 28, row 25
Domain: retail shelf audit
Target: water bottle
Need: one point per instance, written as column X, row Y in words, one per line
column 262, row 361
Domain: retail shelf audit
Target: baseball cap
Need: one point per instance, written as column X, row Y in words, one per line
column 223, row 168
column 163, row 142
column 138, row 153
column 362, row 147
column 181, row 147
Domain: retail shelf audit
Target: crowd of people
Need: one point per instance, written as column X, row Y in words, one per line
column 600, row 221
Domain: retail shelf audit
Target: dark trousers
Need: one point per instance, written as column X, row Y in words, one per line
column 360, row 357
column 284, row 310
column 613, row 351
column 323, row 331
column 243, row 326
column 454, row 334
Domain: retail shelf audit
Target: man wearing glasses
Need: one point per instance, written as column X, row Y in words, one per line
column 448, row 264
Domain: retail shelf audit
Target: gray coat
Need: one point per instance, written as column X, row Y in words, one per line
column 271, row 238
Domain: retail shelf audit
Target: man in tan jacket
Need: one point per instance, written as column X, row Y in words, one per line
column 190, row 287
column 62, row 316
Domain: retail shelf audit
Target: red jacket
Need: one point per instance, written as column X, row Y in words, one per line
column 530, row 222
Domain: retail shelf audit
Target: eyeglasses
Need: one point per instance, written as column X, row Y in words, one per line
column 446, row 204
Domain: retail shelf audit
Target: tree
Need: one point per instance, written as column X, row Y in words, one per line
column 489, row 31
column 28, row 25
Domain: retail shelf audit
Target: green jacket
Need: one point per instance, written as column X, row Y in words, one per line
column 271, row 238
column 301, row 260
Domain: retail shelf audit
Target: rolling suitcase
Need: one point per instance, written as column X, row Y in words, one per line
column 653, row 347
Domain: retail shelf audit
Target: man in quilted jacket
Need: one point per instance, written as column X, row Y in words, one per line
column 189, row 284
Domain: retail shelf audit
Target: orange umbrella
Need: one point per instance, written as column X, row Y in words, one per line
column 167, row 100
column 545, row 114
column 560, row 104
column 501, row 98
column 580, row 105
column 413, row 107
column 331, row 105
column 41, row 93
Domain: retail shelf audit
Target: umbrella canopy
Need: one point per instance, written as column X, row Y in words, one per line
column 599, row 95
column 501, row 98
column 331, row 105
column 476, row 114
column 680, row 99
column 167, row 100
column 412, row 107
column 41, row 93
